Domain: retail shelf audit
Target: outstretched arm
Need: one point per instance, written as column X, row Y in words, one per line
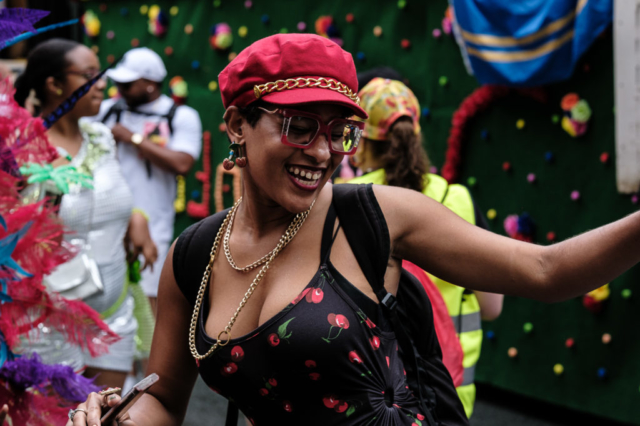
column 166, row 402
column 431, row 236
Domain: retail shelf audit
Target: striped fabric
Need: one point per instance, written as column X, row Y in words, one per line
column 527, row 43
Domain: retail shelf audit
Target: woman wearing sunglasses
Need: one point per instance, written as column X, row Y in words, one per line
column 267, row 301
column 100, row 217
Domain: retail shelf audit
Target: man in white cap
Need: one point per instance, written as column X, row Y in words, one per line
column 157, row 140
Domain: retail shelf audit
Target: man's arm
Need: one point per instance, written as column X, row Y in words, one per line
column 176, row 162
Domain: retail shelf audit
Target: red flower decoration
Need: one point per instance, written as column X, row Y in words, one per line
column 263, row 392
column 310, row 363
column 237, row 354
column 314, row 376
column 273, row 382
column 287, row 406
column 369, row 323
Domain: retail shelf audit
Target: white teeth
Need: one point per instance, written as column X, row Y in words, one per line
column 308, row 175
column 316, row 176
column 296, row 171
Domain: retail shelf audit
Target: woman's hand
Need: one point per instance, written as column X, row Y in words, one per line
column 96, row 406
column 138, row 240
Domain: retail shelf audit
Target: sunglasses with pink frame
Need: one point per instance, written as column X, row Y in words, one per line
column 300, row 129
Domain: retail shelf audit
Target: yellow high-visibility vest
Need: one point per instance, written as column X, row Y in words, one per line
column 462, row 304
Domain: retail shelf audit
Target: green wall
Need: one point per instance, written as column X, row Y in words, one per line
column 576, row 167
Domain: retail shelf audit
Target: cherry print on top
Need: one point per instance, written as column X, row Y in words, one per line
column 321, row 360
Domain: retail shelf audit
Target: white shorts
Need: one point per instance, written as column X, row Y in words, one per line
column 151, row 278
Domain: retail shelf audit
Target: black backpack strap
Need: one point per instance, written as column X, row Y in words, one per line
column 232, row 414
column 116, row 109
column 169, row 116
column 368, row 236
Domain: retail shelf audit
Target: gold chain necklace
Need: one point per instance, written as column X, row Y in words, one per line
column 286, row 238
column 227, row 250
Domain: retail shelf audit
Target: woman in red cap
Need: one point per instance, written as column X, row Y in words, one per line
column 266, row 300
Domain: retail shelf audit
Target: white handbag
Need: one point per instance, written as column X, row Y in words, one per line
column 78, row 278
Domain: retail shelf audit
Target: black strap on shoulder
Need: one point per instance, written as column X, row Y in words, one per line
column 120, row 106
column 116, row 109
column 232, row 414
column 169, row 116
column 368, row 236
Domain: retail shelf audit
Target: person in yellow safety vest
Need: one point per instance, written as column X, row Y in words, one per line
column 391, row 153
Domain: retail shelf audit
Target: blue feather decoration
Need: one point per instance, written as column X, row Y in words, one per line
column 6, row 43
column 68, row 104
column 15, row 21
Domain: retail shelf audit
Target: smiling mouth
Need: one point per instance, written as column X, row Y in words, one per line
column 303, row 176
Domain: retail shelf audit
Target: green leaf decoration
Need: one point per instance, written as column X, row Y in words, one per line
column 61, row 176
column 282, row 330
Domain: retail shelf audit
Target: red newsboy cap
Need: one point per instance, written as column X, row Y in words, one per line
column 287, row 69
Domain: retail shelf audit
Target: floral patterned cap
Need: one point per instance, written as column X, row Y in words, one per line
column 386, row 101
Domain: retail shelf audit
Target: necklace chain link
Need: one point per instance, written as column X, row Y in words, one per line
column 291, row 232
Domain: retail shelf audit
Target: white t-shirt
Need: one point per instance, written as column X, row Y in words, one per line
column 153, row 188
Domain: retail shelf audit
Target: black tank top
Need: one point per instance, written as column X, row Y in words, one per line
column 323, row 360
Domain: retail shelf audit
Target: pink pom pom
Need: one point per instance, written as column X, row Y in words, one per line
column 575, row 195
column 436, row 33
column 511, row 225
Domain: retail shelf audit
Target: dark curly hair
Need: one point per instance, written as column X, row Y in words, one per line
column 405, row 160
column 48, row 59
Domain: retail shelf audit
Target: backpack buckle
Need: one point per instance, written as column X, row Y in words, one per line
column 389, row 301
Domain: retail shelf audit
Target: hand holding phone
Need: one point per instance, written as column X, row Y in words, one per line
column 118, row 411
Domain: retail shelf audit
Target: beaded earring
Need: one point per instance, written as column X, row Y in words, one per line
column 236, row 157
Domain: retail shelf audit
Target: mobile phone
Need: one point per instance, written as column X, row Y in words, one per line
column 118, row 411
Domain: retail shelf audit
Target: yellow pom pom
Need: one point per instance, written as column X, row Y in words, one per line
column 154, row 11
column 568, row 126
column 491, row 214
column 520, row 124
column 600, row 293
column 243, row 31
column 174, row 10
column 213, row 86
column 144, row 9
column 112, row 92
column 558, row 369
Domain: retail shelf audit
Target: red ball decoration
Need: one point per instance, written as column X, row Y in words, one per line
column 551, row 236
column 569, row 343
column 604, row 157
column 222, row 127
column 168, row 50
column 591, row 304
column 103, row 7
column 241, row 162
column 135, row 42
column 405, row 43
column 226, row 187
column 350, row 17
column 506, row 166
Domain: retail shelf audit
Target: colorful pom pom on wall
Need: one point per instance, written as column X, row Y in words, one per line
column 491, row 214
column 377, row 31
column 158, row 21
column 243, row 31
column 558, row 369
column 576, row 114
column 179, row 90
column 221, row 37
column 91, row 24
column 512, row 352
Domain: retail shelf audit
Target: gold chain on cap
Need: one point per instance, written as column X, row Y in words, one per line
column 300, row 83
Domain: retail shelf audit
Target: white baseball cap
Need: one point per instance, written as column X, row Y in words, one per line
column 138, row 63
